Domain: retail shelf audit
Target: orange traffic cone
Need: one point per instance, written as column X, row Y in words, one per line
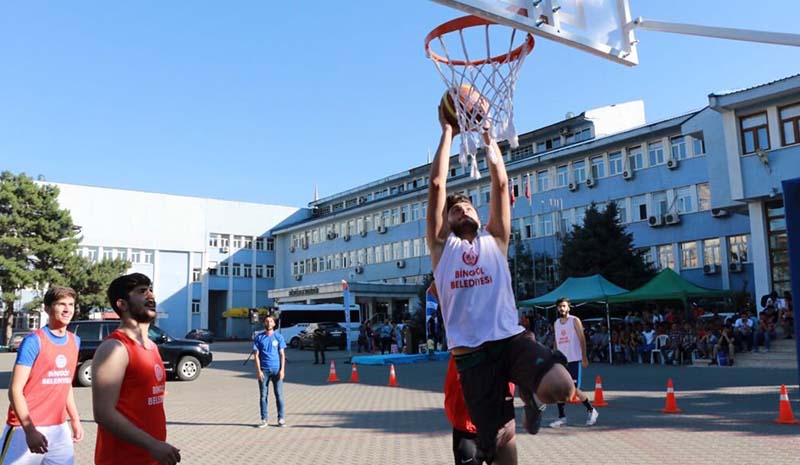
column 785, row 415
column 672, row 405
column 392, row 376
column 332, row 378
column 598, row 393
column 354, row 374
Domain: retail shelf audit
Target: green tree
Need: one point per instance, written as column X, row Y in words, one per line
column 602, row 245
column 37, row 239
column 91, row 280
column 522, row 269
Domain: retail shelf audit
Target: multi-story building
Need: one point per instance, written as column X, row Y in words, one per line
column 700, row 192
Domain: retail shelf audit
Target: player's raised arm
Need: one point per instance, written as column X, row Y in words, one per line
column 499, row 225
column 437, row 228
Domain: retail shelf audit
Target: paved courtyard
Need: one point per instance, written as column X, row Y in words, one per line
column 727, row 417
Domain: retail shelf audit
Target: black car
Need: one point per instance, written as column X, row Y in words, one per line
column 335, row 335
column 183, row 358
column 200, row 335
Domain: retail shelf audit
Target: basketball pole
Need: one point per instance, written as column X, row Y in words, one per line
column 745, row 35
column 791, row 205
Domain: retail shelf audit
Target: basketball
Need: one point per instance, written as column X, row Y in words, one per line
column 468, row 97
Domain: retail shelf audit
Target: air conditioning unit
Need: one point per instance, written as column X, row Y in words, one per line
column 735, row 267
column 564, row 131
column 710, row 269
column 291, row 249
column 359, row 269
column 590, row 182
column 627, row 175
column 655, row 221
column 672, row 164
column 573, row 186
column 298, row 277
column 400, row 263
column 223, row 250
column 672, row 218
column 363, row 233
column 331, row 235
column 381, row 229
column 719, row 212
column 346, row 237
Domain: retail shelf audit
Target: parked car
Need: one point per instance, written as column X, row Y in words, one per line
column 335, row 335
column 292, row 334
column 16, row 339
column 183, row 358
column 200, row 335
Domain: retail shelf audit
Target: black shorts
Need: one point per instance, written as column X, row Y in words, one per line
column 574, row 369
column 465, row 449
column 485, row 374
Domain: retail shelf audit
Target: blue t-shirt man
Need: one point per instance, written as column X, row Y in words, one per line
column 269, row 348
column 29, row 347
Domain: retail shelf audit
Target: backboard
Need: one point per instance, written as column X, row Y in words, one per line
column 600, row 27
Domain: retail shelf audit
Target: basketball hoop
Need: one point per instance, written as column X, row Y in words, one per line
column 492, row 76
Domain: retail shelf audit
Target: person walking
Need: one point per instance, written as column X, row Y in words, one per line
column 572, row 343
column 40, row 390
column 318, row 339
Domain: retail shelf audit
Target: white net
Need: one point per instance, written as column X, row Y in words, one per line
column 491, row 72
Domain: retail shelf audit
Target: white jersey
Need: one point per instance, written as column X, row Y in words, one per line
column 474, row 286
column 567, row 339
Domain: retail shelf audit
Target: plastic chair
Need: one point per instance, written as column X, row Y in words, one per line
column 661, row 341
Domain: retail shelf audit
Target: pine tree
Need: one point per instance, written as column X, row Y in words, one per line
column 37, row 240
column 91, row 281
column 522, row 270
column 602, row 245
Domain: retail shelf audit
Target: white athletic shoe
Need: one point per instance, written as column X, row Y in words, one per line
column 262, row 424
column 281, row 422
column 559, row 423
column 591, row 417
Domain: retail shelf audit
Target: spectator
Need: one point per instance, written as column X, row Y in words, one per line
column 688, row 343
column 362, row 337
column 599, row 345
column 618, row 339
column 743, row 332
column 635, row 344
column 370, row 337
column 385, row 333
column 398, row 337
column 674, row 344
column 787, row 322
column 765, row 332
column 724, row 344
column 649, row 336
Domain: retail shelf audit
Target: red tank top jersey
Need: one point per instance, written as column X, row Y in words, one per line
column 49, row 382
column 454, row 406
column 141, row 400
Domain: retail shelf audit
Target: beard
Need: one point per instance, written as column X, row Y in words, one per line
column 466, row 226
column 142, row 314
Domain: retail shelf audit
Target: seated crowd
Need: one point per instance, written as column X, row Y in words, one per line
column 673, row 339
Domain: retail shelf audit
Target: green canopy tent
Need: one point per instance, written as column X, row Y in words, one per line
column 667, row 285
column 593, row 288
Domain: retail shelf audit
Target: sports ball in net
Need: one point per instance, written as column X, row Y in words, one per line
column 472, row 103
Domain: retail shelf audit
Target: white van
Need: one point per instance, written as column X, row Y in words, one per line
column 294, row 318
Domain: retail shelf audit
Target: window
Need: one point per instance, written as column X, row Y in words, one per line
column 213, row 240
column 407, row 249
column 562, row 176
column 224, row 241
column 678, row 145
column 248, row 242
column 397, row 250
column 485, row 194
column 639, row 204
column 417, row 247
column 196, row 274
column 361, row 256
column 270, row 243
column 514, row 183
column 790, row 124
column 635, row 158
column 236, row 270
column 737, row 245
column 395, row 216
column 259, row 243
column 542, row 181
column 647, row 255
column 405, row 211
column 622, row 211
column 415, row 211
column 259, row 271
column 527, row 229
column 684, row 199
column 248, row 270
column 655, row 153
column 378, row 254
column 698, row 145
column 615, row 163
column 659, row 203
column 195, row 307
column 223, row 269
column 579, row 171
column 387, row 252
column 665, row 257
column 703, row 197
column 547, row 224
column 212, row 268
column 598, row 167
column 689, row 255
column 711, row 252
column 237, row 242
column 755, row 133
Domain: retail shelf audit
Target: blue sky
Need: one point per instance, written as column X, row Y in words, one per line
column 260, row 101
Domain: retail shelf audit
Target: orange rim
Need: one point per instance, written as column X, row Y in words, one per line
column 473, row 21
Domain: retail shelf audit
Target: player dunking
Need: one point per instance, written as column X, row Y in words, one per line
column 128, row 383
column 470, row 267
column 572, row 343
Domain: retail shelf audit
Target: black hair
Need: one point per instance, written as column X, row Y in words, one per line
column 563, row 299
column 121, row 287
column 453, row 199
